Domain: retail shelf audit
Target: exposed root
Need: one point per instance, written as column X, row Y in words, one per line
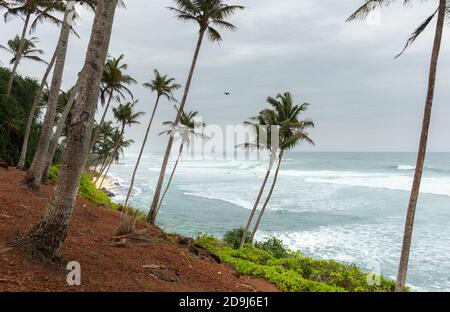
column 31, row 250
column 126, row 232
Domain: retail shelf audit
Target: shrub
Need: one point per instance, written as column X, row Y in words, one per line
column 274, row 246
column 234, row 237
column 293, row 273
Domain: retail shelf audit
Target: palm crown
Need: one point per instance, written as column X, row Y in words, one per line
column 208, row 14
column 364, row 10
column 125, row 114
column 187, row 125
column 29, row 50
column 114, row 79
column 163, row 85
column 43, row 10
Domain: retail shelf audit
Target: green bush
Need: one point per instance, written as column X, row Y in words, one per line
column 274, row 246
column 234, row 237
column 293, row 273
column 87, row 190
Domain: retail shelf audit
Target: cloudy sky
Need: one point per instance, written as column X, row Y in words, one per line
column 361, row 98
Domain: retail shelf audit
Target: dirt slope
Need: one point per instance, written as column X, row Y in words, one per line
column 162, row 264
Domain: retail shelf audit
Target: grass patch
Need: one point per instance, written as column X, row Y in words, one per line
column 291, row 271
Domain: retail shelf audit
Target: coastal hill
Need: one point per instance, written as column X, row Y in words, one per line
column 163, row 262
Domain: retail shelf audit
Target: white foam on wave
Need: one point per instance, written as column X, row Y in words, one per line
column 406, row 167
column 236, row 201
column 390, row 181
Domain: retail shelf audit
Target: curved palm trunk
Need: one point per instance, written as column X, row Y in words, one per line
column 37, row 97
column 133, row 178
column 18, row 54
column 407, row 236
column 106, row 173
column 151, row 218
column 116, row 147
column 171, row 177
column 55, row 139
column 255, row 206
column 34, row 176
column 49, row 233
column 268, row 196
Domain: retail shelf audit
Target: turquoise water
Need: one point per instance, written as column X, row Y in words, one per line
column 345, row 206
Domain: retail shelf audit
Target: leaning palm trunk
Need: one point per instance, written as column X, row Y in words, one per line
column 151, row 218
column 37, row 98
column 56, row 136
column 255, row 206
column 18, row 55
column 34, row 176
column 133, row 178
column 95, row 134
column 263, row 209
column 407, row 236
column 171, row 177
column 106, row 173
column 49, row 233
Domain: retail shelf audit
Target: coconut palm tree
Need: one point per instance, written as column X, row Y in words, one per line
column 187, row 127
column 262, row 128
column 440, row 13
column 46, row 236
column 125, row 116
column 292, row 130
column 164, row 87
column 60, row 54
column 40, row 10
column 207, row 14
column 40, row 160
column 29, row 51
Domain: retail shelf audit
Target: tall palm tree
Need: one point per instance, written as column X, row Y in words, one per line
column 40, row 160
column 440, row 12
column 29, row 50
column 187, row 127
column 40, row 10
column 125, row 116
column 164, row 87
column 60, row 53
column 291, row 130
column 263, row 131
column 45, row 237
column 207, row 14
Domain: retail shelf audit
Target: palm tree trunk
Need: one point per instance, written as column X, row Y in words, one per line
column 114, row 151
column 407, row 236
column 37, row 98
column 151, row 218
column 49, row 233
column 141, row 152
column 171, row 177
column 255, row 206
column 106, row 173
column 18, row 55
column 95, row 134
column 268, row 196
column 35, row 173
column 55, row 139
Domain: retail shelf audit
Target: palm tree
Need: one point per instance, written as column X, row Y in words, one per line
column 207, row 14
column 60, row 53
column 42, row 10
column 40, row 160
column 186, row 128
column 440, row 12
column 29, row 50
column 262, row 128
column 125, row 116
column 164, row 87
column 114, row 80
column 45, row 238
column 292, row 131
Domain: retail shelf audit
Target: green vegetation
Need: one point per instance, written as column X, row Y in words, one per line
column 233, row 237
column 88, row 191
column 293, row 272
column 14, row 112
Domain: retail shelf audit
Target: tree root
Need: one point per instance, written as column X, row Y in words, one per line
column 126, row 232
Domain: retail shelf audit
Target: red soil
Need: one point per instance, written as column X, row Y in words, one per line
column 103, row 267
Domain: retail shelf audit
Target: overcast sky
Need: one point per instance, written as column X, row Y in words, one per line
column 361, row 98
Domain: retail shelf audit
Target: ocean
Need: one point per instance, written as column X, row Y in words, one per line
column 350, row 207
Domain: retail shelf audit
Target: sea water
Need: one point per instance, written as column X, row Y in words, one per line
column 350, row 207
